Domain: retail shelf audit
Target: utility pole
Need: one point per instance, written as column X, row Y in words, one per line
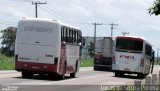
column 124, row 33
column 95, row 26
column 36, row 6
column 112, row 27
column 157, row 54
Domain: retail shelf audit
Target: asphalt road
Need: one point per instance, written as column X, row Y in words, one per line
column 86, row 80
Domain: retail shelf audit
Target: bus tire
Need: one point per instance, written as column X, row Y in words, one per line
column 121, row 74
column 72, row 75
column 41, row 75
column 96, row 68
column 116, row 74
column 141, row 75
column 26, row 74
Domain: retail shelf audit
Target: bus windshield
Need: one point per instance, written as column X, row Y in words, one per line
column 129, row 45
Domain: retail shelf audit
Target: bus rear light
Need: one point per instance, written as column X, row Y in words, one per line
column 98, row 55
column 55, row 60
column 16, row 58
column 25, row 65
column 142, row 62
column 44, row 66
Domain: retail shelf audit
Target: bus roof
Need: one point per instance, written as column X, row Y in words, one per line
column 132, row 37
column 49, row 20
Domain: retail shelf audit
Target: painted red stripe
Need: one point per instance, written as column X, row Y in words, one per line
column 70, row 69
column 40, row 67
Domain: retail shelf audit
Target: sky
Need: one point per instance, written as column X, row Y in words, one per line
column 130, row 15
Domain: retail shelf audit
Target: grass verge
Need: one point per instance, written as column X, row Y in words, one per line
column 86, row 63
column 6, row 63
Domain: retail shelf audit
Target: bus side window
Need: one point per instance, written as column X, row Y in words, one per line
column 62, row 33
column 75, row 36
column 79, row 37
column 67, row 33
column 68, row 37
column 71, row 35
column 148, row 50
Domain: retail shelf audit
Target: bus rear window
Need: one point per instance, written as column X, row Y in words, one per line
column 124, row 44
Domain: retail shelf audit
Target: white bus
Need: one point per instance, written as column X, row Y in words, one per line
column 46, row 46
column 133, row 55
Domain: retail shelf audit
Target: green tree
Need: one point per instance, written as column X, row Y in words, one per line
column 91, row 49
column 8, row 41
column 155, row 9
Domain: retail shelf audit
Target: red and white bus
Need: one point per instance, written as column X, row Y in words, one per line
column 46, row 46
column 133, row 55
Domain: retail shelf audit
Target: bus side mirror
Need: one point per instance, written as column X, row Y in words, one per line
column 152, row 63
column 152, row 55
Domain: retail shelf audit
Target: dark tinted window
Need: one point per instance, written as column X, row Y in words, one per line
column 148, row 50
column 124, row 44
column 70, row 35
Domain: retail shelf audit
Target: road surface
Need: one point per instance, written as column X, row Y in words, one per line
column 86, row 80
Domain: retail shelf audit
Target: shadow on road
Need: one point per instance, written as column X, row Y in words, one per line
column 130, row 77
column 46, row 77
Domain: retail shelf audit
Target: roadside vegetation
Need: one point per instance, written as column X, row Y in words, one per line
column 157, row 62
column 6, row 63
column 86, row 63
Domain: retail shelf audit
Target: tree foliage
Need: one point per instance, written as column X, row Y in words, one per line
column 91, row 49
column 8, row 41
column 155, row 9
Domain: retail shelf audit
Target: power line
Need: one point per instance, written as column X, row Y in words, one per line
column 62, row 14
column 36, row 7
column 65, row 16
column 50, row 13
column 59, row 15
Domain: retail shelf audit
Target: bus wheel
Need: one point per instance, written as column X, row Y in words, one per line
column 26, row 74
column 41, row 74
column 96, row 68
column 121, row 74
column 116, row 74
column 141, row 76
column 61, row 77
column 72, row 75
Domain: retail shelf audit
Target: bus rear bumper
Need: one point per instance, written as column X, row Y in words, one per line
column 128, row 72
column 36, row 67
